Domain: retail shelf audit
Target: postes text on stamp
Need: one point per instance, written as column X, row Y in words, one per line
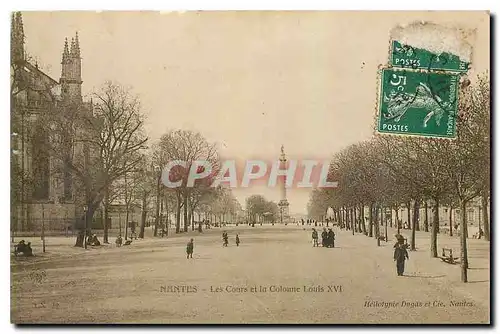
column 406, row 56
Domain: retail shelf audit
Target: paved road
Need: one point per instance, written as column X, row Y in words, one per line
column 126, row 285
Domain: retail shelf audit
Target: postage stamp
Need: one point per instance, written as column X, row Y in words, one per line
column 407, row 56
column 418, row 103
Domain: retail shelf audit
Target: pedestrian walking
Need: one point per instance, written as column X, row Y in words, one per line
column 324, row 236
column 237, row 240
column 190, row 248
column 225, row 239
column 315, row 238
column 331, row 238
column 400, row 255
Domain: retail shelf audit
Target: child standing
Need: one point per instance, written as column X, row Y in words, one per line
column 190, row 248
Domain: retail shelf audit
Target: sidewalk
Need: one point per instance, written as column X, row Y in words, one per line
column 421, row 264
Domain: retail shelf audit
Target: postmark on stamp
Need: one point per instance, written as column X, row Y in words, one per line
column 407, row 56
column 418, row 103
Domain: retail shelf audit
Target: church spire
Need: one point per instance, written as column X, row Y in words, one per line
column 65, row 55
column 17, row 37
column 72, row 50
column 71, row 74
column 77, row 46
column 20, row 26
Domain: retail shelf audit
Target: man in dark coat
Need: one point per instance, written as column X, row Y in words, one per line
column 400, row 256
column 331, row 238
column 324, row 237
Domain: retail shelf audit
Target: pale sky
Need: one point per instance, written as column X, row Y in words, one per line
column 250, row 81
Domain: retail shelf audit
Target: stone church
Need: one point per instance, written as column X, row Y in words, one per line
column 38, row 193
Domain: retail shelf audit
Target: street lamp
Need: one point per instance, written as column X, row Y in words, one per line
column 85, row 208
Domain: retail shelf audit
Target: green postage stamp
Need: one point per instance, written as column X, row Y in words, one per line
column 418, row 103
column 407, row 56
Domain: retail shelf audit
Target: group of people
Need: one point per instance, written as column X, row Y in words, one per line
column 327, row 238
column 23, row 247
column 225, row 239
column 93, row 241
column 225, row 243
column 327, row 222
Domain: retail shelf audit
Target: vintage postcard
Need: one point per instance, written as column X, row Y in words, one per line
column 250, row 167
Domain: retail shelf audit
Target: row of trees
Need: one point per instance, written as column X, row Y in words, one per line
column 391, row 171
column 102, row 150
column 260, row 209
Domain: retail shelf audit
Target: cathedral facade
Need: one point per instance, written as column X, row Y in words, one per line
column 41, row 189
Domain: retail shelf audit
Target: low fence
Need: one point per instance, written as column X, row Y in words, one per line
column 54, row 226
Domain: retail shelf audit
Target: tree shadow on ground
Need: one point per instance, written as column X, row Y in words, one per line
column 478, row 268
column 424, row 276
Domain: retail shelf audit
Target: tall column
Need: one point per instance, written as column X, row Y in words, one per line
column 283, row 204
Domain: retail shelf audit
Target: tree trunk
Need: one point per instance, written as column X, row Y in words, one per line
column 463, row 241
column 126, row 221
column 191, row 219
column 80, row 238
column 106, row 217
column 390, row 220
column 186, row 222
column 377, row 226
column 426, row 217
column 143, row 217
column 416, row 214
column 384, row 219
column 87, row 227
column 408, row 210
column 486, row 221
column 370, row 223
column 353, row 219
column 397, row 221
column 413, row 228
column 178, row 215
column 435, row 228
column 157, row 218
column 347, row 219
column 450, row 220
column 362, row 218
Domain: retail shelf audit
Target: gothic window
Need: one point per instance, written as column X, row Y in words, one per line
column 40, row 165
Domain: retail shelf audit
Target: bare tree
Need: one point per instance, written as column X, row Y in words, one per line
column 187, row 146
column 97, row 143
column 467, row 155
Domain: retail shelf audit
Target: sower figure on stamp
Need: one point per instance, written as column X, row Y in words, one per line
column 315, row 237
column 190, row 248
column 400, row 255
